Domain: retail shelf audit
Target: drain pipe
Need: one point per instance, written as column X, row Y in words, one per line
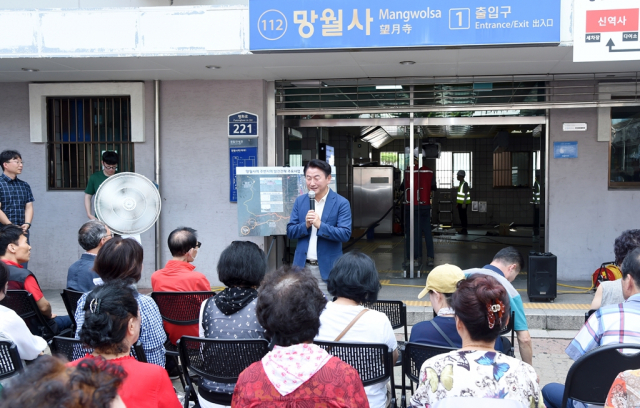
column 156, row 148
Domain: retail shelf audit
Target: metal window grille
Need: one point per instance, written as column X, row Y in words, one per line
column 502, row 169
column 448, row 165
column 79, row 130
column 514, row 169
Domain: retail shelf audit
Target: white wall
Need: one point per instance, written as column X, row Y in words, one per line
column 585, row 217
column 195, row 162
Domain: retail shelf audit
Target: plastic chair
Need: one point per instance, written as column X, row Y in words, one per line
column 70, row 299
column 415, row 354
column 372, row 361
column 510, row 328
column 10, row 362
column 591, row 376
column 73, row 349
column 221, row 361
column 182, row 309
column 588, row 314
column 22, row 302
column 396, row 312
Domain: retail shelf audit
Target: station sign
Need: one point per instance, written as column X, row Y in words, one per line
column 243, row 125
column 336, row 24
column 606, row 31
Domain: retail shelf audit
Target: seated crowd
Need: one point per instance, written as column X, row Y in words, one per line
column 288, row 309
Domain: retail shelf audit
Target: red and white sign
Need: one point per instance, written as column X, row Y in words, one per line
column 606, row 30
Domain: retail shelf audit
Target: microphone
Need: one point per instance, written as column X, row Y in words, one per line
column 312, row 200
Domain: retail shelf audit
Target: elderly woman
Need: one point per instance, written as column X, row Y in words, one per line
column 48, row 382
column 111, row 327
column 231, row 314
column 354, row 281
column 477, row 369
column 121, row 260
column 296, row 372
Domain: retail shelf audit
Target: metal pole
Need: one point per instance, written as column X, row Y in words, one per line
column 156, row 147
column 411, row 190
column 547, row 149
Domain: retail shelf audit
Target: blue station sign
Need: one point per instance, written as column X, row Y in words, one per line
column 336, row 24
column 243, row 125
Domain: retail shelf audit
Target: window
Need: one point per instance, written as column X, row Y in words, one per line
column 448, row 165
column 389, row 159
column 624, row 157
column 513, row 169
column 78, row 131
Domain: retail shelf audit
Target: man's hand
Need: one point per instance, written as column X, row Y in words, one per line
column 25, row 228
column 312, row 219
column 464, row 206
column 91, row 217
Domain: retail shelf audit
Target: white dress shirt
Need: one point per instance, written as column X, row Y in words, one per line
column 312, row 252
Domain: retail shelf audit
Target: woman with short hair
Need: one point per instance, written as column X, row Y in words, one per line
column 121, row 260
column 477, row 369
column 353, row 281
column 231, row 314
column 111, row 327
column 296, row 372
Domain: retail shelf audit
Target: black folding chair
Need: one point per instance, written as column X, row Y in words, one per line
column 182, row 309
column 415, row 354
column 510, row 328
column 221, row 361
column 588, row 314
column 22, row 302
column 372, row 361
column 73, row 349
column 70, row 299
column 10, row 362
column 591, row 376
column 396, row 312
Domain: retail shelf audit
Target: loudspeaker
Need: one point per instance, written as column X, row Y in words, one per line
column 542, row 278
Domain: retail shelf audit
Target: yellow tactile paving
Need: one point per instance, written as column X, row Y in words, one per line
column 218, row 288
column 557, row 306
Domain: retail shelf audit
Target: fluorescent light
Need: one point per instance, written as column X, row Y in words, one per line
column 388, row 86
column 30, row 69
column 407, row 62
column 213, row 67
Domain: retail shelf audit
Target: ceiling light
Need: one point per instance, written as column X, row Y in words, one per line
column 30, row 69
column 388, row 86
column 213, row 67
column 407, row 62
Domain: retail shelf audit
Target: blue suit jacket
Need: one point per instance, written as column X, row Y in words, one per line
column 335, row 228
column 80, row 276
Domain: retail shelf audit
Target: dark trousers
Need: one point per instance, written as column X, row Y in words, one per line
column 421, row 226
column 536, row 220
column 462, row 212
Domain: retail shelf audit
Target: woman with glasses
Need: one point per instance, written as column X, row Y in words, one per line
column 231, row 314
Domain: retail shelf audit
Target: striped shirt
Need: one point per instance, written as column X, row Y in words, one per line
column 612, row 324
column 14, row 196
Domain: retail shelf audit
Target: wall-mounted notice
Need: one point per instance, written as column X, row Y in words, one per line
column 336, row 24
column 606, row 30
column 242, row 153
column 574, row 127
column 565, row 150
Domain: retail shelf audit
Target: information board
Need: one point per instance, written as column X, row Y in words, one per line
column 606, row 31
column 242, row 153
column 335, row 24
column 266, row 196
column 565, row 150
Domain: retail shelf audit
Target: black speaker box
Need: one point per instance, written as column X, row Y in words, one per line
column 542, row 278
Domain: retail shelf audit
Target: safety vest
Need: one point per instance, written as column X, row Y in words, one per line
column 536, row 193
column 461, row 195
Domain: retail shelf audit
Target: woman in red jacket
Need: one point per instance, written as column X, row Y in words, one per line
column 111, row 326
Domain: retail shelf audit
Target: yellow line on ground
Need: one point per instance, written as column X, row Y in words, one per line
column 218, row 288
column 557, row 306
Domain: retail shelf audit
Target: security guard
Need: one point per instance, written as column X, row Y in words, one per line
column 536, row 205
column 462, row 200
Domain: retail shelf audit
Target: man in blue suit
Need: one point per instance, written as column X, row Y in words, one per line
column 320, row 233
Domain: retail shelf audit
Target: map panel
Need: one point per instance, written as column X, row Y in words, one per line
column 266, row 196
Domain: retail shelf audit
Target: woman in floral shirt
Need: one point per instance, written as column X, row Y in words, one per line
column 477, row 370
column 625, row 391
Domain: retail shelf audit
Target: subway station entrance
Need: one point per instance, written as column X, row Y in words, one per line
column 478, row 166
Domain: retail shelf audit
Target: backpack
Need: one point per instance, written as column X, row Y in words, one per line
column 608, row 271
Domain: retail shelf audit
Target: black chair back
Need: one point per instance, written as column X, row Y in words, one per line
column 591, row 376
column 10, row 362
column 72, row 349
column 588, row 314
column 70, row 299
column 414, row 355
column 22, row 302
column 510, row 328
column 181, row 308
column 396, row 312
column 218, row 360
column 371, row 360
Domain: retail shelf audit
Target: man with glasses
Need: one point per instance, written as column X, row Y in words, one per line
column 109, row 165
column 91, row 237
column 16, row 199
column 179, row 275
